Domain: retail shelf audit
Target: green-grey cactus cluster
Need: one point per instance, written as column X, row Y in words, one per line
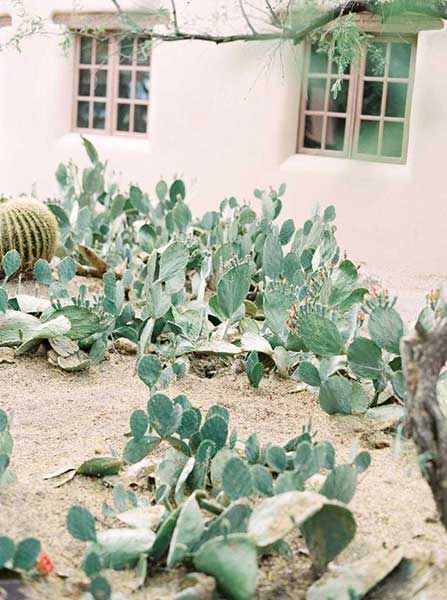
column 28, row 226
column 204, row 489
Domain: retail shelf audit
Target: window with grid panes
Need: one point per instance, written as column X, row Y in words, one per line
column 112, row 79
column 369, row 117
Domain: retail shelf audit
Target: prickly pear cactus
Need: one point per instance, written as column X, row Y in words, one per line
column 28, row 226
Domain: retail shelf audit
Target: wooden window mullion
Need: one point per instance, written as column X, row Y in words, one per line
column 384, row 98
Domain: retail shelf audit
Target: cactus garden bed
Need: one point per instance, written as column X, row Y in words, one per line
column 196, row 408
column 64, row 418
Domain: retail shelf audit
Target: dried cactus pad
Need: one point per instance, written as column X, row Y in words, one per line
column 28, row 226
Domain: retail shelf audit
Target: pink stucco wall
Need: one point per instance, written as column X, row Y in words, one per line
column 225, row 118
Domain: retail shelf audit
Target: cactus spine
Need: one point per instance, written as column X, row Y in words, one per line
column 28, row 226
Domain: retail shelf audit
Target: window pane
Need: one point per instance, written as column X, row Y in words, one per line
column 316, row 91
column 86, row 51
column 393, row 135
column 318, row 61
column 125, row 84
column 375, row 60
column 340, row 103
column 126, row 51
column 335, row 133
column 396, row 99
column 142, row 91
column 101, row 83
column 99, row 115
column 83, row 114
column 140, row 119
column 368, row 137
column 102, row 52
column 313, row 132
column 84, row 82
column 143, row 52
column 372, row 98
column 400, row 60
column 123, row 117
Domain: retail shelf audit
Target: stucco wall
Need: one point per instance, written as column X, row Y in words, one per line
column 225, row 118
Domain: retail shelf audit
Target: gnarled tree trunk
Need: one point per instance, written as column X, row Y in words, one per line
column 423, row 358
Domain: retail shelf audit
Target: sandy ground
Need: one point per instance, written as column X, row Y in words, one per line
column 65, row 418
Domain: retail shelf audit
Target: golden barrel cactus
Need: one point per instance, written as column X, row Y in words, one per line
column 28, row 226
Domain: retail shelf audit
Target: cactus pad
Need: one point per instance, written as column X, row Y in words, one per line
column 28, row 226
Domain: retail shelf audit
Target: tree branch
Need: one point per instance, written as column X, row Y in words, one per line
column 247, row 20
column 119, row 10
column 174, row 16
column 433, row 8
column 274, row 16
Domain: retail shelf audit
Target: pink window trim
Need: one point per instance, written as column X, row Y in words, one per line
column 353, row 114
column 111, row 99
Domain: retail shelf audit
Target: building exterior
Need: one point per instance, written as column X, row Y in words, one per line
column 234, row 117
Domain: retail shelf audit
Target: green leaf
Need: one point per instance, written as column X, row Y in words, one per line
column 254, row 369
column 336, row 395
column 42, row 272
column 320, row 335
column 139, row 423
column 190, row 423
column 187, row 533
column 100, row 588
column 164, row 535
column 164, row 416
column 252, row 449
column 233, row 288
column 329, row 214
column 66, row 270
column 149, row 370
column 3, row 421
column 173, row 261
column 262, row 480
column 120, row 548
column 343, row 282
column 177, row 191
column 3, row 300
column 236, row 479
column 386, row 328
column 83, row 321
column 91, row 564
column 100, row 466
column 327, row 533
column 340, row 484
column 276, row 458
column 309, row 374
column 161, row 189
column 355, row 580
column 365, row 358
column 272, row 257
column 11, row 263
column 274, row 518
column 7, row 550
column 232, row 520
column 91, row 150
column 81, row 524
column 26, row 554
column 232, row 561
column 136, row 450
column 216, row 430
column 286, row 232
column 362, row 461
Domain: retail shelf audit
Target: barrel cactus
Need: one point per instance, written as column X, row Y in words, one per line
column 28, row 226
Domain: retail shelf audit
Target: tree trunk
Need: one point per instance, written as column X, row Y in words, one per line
column 423, row 358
